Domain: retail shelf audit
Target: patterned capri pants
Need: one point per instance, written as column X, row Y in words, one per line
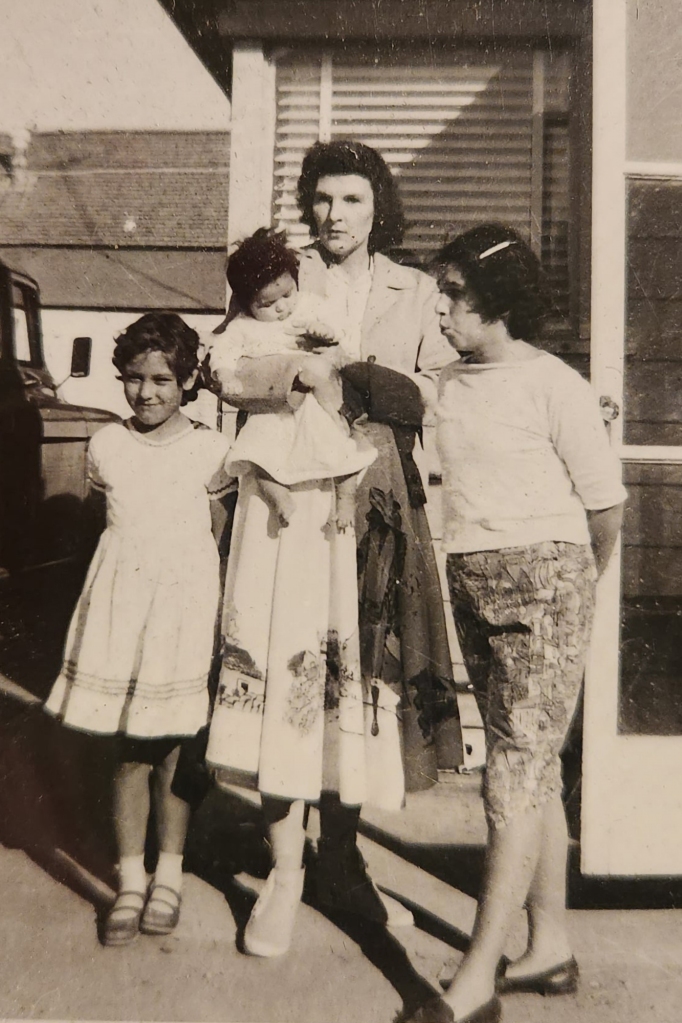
column 523, row 617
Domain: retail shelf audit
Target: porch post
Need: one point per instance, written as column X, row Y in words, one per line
column 600, row 769
column 252, row 141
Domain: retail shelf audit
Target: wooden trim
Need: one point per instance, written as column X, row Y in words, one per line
column 639, row 453
column 609, row 204
column 416, row 20
column 537, row 172
column 326, row 98
column 642, row 169
column 600, row 770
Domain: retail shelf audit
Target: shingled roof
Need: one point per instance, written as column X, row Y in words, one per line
column 120, row 189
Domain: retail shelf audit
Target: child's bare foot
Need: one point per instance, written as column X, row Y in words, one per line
column 278, row 498
column 344, row 515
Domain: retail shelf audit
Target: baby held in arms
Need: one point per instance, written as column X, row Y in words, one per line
column 293, row 446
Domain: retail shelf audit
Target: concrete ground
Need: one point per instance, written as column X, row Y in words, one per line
column 55, row 872
column 338, row 970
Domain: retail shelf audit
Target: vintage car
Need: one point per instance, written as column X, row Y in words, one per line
column 49, row 520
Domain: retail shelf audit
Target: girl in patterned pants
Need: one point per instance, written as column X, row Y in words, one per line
column 532, row 504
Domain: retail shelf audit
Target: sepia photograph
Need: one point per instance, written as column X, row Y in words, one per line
column 340, row 464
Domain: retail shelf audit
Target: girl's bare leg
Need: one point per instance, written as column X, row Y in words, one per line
column 172, row 821
column 511, row 861
column 162, row 911
column 172, row 813
column 131, row 814
column 131, row 808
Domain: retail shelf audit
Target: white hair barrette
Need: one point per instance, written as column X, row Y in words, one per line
column 497, row 248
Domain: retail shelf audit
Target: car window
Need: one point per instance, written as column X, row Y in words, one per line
column 22, row 330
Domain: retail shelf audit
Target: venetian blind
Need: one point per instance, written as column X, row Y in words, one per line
column 556, row 177
column 456, row 129
column 555, row 212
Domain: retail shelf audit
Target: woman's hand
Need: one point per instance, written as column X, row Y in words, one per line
column 316, row 335
column 604, row 526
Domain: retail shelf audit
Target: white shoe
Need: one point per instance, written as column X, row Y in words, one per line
column 271, row 924
column 398, row 915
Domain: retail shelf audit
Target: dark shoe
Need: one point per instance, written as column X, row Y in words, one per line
column 436, row 1010
column 344, row 884
column 122, row 924
column 162, row 912
column 559, row 980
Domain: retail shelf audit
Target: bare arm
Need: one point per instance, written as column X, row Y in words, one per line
column 266, row 383
column 604, row 526
column 581, row 441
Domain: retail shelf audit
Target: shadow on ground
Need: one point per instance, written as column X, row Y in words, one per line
column 54, row 785
column 228, row 838
column 55, row 804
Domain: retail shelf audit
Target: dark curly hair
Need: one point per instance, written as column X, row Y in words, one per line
column 345, row 156
column 502, row 277
column 258, row 261
column 159, row 332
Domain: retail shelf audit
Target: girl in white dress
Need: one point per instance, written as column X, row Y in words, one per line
column 140, row 643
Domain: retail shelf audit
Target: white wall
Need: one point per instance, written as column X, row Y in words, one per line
column 101, row 64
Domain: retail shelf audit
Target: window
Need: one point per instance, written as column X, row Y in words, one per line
column 26, row 344
column 471, row 136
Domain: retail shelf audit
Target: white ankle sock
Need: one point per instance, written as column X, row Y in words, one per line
column 169, row 870
column 131, row 874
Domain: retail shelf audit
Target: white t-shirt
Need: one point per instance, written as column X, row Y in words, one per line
column 524, row 452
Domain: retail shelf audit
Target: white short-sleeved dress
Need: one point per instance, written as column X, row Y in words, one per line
column 140, row 643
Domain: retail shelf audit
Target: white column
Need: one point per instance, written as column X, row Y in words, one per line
column 602, row 765
column 253, row 141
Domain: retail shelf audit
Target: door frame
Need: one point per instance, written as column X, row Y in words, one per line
column 630, row 782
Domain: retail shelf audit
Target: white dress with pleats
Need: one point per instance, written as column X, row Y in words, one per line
column 140, row 642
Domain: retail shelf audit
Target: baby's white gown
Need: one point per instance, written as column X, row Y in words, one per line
column 294, row 445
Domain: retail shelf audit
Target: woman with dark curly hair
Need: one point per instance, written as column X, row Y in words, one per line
column 346, row 158
column 532, row 505
column 350, row 201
